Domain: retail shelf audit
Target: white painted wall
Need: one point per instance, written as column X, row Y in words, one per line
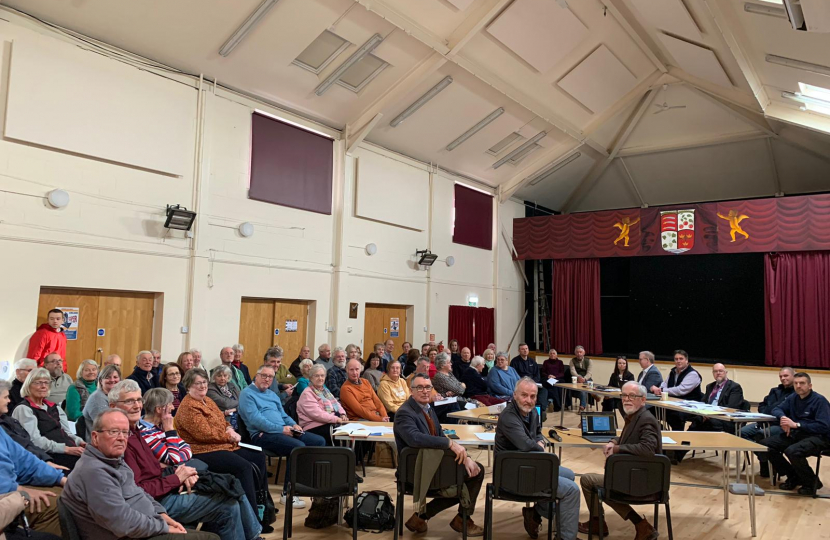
column 111, row 234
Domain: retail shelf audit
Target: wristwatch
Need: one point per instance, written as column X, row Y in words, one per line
column 26, row 498
column 798, row 425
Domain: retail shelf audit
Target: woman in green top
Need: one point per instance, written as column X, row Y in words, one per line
column 86, row 382
column 303, row 382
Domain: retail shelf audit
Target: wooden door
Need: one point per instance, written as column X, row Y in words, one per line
column 127, row 321
column 77, row 350
column 378, row 327
column 262, row 324
column 291, row 341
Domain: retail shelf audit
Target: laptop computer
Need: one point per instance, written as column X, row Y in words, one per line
column 599, row 427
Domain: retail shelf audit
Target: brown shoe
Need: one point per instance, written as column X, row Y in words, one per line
column 416, row 524
column 583, row 527
column 472, row 529
column 532, row 521
column 645, row 531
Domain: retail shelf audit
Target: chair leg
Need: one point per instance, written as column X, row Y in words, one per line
column 656, row 514
column 277, row 474
column 818, row 467
column 286, row 524
column 591, row 505
column 354, row 519
column 399, row 513
column 668, row 522
column 463, row 523
column 488, row 501
column 553, row 512
column 601, row 521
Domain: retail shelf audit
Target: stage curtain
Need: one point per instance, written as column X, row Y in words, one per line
column 485, row 328
column 575, row 317
column 797, row 309
column 460, row 325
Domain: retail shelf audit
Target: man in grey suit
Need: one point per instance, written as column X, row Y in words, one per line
column 417, row 426
column 650, row 376
column 640, row 437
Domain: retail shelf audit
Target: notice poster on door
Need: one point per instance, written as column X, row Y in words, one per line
column 291, row 325
column 394, row 327
column 71, row 317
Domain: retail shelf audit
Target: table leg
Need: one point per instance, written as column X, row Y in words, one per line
column 726, row 485
column 751, row 484
column 738, row 455
column 562, row 409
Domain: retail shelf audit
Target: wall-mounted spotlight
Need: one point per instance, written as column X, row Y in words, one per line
column 426, row 257
column 450, row 260
column 57, row 198
column 246, row 229
column 371, row 249
column 179, row 218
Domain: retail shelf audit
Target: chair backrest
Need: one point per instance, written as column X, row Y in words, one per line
column 449, row 472
column 525, row 475
column 80, row 427
column 744, row 406
column 69, row 530
column 242, row 430
column 637, row 479
column 322, row 471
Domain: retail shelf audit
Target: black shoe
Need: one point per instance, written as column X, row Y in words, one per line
column 764, row 472
column 358, row 479
column 267, row 529
column 789, row 485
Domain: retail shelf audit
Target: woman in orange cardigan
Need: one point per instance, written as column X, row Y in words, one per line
column 203, row 426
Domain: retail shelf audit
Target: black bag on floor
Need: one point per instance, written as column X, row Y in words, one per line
column 375, row 512
column 323, row 512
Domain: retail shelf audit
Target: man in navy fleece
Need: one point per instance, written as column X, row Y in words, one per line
column 804, row 418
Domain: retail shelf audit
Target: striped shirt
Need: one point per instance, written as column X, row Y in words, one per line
column 167, row 447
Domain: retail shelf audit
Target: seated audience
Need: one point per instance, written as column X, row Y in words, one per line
column 723, row 392
column 238, row 352
column 14, row 429
column 156, row 363
column 454, row 351
column 417, row 426
column 443, row 381
column 640, row 437
column 203, row 426
column 225, row 394
column 406, row 347
column 97, row 403
column 620, row 376
column 683, row 383
column 489, row 356
column 185, row 361
column 460, row 362
column 409, row 362
column 336, row 375
column 476, row 384
column 220, row 513
column 197, row 358
column 273, row 357
column 113, row 360
column 776, row 397
column 442, row 411
column 45, row 422
column 527, row 366
column 158, row 430
column 393, row 390
column 143, row 372
column 49, row 338
column 553, row 367
column 22, row 368
column 520, row 429
column 60, row 381
column 305, row 354
column 352, row 352
column 388, row 353
column 371, row 370
column 324, row 356
column 171, row 380
column 21, row 471
column 804, row 418
column 103, row 498
column 432, row 354
column 502, row 378
column 318, row 409
column 302, row 381
column 650, row 376
column 270, row 426
column 226, row 356
column 86, row 382
column 580, row 368
column 359, row 399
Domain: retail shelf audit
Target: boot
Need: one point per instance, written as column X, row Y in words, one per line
column 416, row 524
column 594, row 523
column 472, row 529
column 532, row 521
column 645, row 531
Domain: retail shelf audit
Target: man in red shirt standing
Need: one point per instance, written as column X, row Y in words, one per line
column 48, row 338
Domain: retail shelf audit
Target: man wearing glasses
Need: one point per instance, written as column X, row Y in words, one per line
column 417, row 426
column 103, row 497
column 640, row 437
column 60, row 380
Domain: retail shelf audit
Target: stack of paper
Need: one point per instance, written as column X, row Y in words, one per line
column 489, row 436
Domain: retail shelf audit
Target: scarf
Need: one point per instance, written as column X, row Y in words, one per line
column 327, row 399
column 225, row 391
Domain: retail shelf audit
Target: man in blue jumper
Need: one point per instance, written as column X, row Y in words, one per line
column 804, row 418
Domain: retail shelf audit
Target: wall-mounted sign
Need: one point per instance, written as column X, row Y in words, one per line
column 71, row 318
column 395, row 325
column 101, row 332
column 291, row 325
column 276, row 331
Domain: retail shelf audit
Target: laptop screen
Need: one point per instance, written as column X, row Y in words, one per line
column 598, row 423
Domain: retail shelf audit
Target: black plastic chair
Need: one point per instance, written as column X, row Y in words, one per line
column 449, row 474
column 825, row 453
column 635, row 480
column 69, row 529
column 320, row 471
column 80, row 427
column 524, row 477
column 245, row 435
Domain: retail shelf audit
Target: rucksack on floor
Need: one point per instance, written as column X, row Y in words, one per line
column 375, row 512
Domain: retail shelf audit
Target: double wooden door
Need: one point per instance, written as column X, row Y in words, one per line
column 109, row 322
column 265, row 322
column 383, row 322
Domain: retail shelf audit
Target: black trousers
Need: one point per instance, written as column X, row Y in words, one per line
column 324, row 431
column 701, row 423
column 788, row 454
column 554, row 395
column 238, row 463
column 439, row 504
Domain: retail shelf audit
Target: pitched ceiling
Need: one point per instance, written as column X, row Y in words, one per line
column 629, row 102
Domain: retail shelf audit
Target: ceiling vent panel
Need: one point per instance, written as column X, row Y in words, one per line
column 599, row 81
column 698, row 61
column 321, row 52
column 362, row 73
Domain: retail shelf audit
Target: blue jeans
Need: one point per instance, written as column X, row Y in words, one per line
column 282, row 445
column 221, row 515
column 568, row 495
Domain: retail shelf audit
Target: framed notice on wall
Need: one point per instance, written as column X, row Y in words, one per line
column 394, row 327
column 71, row 318
column 291, row 325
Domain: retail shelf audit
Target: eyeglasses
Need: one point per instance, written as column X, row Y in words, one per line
column 422, row 388
column 265, row 377
column 199, row 384
column 131, row 402
column 41, row 382
column 116, row 432
column 52, row 362
column 630, row 397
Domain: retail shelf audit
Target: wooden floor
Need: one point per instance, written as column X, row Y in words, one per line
column 697, row 513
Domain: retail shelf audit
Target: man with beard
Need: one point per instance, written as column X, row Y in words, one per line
column 336, row 376
column 640, row 437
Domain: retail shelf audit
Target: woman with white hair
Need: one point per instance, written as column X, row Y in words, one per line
column 303, row 381
column 224, row 392
column 22, row 368
column 86, row 382
column 444, row 381
column 476, row 383
column 317, row 408
column 45, row 422
column 502, row 378
column 97, row 402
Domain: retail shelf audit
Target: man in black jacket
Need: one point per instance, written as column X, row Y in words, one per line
column 417, row 426
column 776, row 396
column 143, row 372
column 723, row 392
column 526, row 366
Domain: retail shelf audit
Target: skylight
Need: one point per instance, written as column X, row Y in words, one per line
column 817, row 93
column 362, row 73
column 320, row 52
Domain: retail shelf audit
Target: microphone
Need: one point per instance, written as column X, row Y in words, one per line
column 553, row 435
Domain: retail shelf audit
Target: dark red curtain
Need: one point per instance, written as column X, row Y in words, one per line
column 576, row 318
column 796, row 309
column 485, row 328
column 473, row 218
column 460, row 325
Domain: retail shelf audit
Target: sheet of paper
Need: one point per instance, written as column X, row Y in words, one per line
column 486, row 436
column 350, row 428
column 383, row 430
column 448, row 401
column 552, row 381
column 539, row 384
column 469, row 406
column 668, row 440
column 250, row 446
